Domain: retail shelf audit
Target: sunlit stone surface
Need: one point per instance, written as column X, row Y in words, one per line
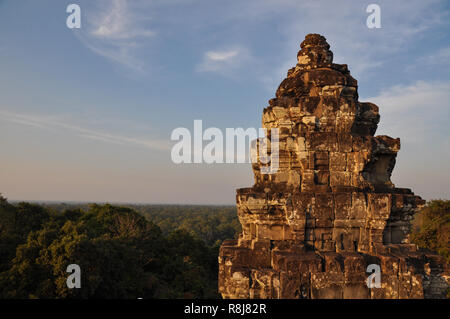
column 311, row 229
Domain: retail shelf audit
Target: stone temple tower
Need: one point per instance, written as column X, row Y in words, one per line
column 311, row 229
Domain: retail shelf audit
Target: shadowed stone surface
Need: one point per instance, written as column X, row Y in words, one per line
column 311, row 229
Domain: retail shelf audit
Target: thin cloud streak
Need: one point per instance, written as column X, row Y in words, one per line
column 220, row 56
column 440, row 58
column 225, row 61
column 53, row 124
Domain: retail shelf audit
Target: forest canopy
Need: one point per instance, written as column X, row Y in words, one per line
column 122, row 251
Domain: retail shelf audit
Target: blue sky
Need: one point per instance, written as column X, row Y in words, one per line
column 86, row 114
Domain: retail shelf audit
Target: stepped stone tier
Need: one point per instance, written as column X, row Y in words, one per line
column 311, row 229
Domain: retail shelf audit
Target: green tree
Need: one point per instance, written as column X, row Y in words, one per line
column 431, row 227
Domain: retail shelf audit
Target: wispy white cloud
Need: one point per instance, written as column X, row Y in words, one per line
column 439, row 58
column 343, row 23
column 224, row 61
column 118, row 30
column 420, row 115
column 419, row 112
column 119, row 23
column 425, row 97
column 220, row 56
column 55, row 123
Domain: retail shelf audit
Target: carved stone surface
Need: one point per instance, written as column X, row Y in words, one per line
column 311, row 229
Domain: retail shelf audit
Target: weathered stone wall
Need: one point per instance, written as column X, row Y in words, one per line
column 311, row 228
